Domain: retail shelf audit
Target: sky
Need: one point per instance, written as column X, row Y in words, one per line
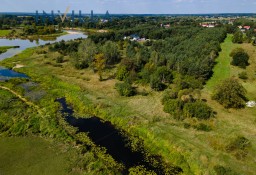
column 132, row 6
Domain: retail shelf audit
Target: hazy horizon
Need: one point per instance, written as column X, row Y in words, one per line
column 132, row 6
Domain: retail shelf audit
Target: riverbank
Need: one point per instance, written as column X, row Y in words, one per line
column 4, row 49
column 18, row 34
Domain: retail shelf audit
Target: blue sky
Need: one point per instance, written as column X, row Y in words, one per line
column 133, row 6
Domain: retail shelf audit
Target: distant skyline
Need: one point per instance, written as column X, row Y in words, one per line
column 132, row 6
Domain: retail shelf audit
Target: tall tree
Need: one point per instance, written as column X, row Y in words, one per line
column 230, row 93
column 111, row 52
column 100, row 64
column 86, row 53
column 237, row 37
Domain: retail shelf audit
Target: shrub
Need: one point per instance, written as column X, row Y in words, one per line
column 203, row 127
column 140, row 170
column 125, row 89
column 156, row 83
column 239, row 143
column 240, row 58
column 198, row 110
column 169, row 94
column 60, row 59
column 230, row 93
column 173, row 107
column 243, row 75
column 220, row 170
column 239, row 147
column 122, row 73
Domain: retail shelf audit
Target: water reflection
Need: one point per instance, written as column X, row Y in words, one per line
column 27, row 43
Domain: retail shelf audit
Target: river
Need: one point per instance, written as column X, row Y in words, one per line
column 26, row 43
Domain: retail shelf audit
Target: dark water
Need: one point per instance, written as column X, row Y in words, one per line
column 6, row 74
column 106, row 135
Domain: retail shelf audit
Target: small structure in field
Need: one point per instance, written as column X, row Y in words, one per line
column 251, row 104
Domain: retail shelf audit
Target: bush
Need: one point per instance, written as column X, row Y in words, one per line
column 220, row 170
column 169, row 94
column 198, row 110
column 140, row 170
column 240, row 58
column 60, row 59
column 230, row 93
column 125, row 89
column 174, row 107
column 156, row 83
column 239, row 143
column 239, row 147
column 203, row 127
column 122, row 73
column 243, row 75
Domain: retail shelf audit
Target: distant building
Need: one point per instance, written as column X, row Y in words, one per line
column 167, row 26
column 208, row 25
column 244, row 28
column 247, row 27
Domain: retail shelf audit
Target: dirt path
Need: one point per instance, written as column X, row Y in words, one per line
column 22, row 99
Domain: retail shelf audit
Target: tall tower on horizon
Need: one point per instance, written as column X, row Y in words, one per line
column 52, row 17
column 73, row 16
column 80, row 16
column 92, row 16
column 37, row 17
column 107, row 16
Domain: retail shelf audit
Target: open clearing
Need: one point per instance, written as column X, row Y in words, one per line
column 32, row 155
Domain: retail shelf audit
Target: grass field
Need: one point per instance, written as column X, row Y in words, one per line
column 197, row 152
column 4, row 33
column 222, row 69
column 33, row 155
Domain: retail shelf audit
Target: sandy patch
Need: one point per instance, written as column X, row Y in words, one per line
column 18, row 66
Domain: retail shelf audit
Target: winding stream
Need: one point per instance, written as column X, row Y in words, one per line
column 106, row 135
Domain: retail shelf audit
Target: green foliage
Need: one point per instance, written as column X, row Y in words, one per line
column 140, row 170
column 243, row 75
column 239, row 147
column 125, row 89
column 230, row 93
column 221, row 170
column 240, row 58
column 85, row 55
column 173, row 107
column 156, row 83
column 237, row 37
column 100, row 64
column 111, row 52
column 203, row 127
column 39, row 30
column 122, row 73
column 198, row 109
column 186, row 82
column 169, row 94
column 60, row 59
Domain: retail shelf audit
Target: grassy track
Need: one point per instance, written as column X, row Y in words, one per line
column 222, row 68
